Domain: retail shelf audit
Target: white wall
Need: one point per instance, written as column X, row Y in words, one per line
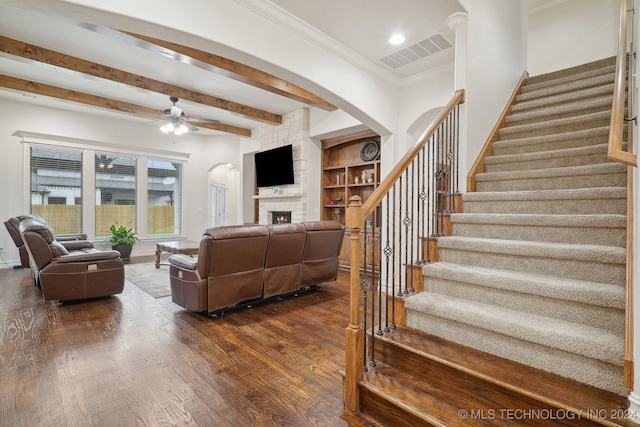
column 495, row 59
column 572, row 33
column 131, row 135
column 432, row 90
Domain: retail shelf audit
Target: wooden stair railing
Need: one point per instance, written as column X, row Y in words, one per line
column 438, row 182
column 616, row 153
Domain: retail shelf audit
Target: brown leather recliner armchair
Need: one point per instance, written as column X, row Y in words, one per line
column 13, row 225
column 70, row 270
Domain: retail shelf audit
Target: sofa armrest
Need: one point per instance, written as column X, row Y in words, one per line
column 87, row 256
column 74, row 245
column 68, row 237
column 183, row 261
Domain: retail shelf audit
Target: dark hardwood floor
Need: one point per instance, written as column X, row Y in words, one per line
column 134, row 360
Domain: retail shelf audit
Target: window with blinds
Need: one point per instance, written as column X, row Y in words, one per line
column 56, row 187
column 164, row 197
column 115, row 191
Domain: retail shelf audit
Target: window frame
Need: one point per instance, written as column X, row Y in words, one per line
column 89, row 149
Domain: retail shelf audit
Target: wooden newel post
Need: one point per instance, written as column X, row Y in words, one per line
column 354, row 333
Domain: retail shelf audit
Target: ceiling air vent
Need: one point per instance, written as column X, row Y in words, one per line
column 429, row 46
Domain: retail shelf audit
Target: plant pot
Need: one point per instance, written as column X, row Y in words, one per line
column 125, row 251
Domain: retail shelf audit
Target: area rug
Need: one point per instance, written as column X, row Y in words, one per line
column 152, row 280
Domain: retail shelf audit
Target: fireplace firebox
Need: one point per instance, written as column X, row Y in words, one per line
column 281, row 217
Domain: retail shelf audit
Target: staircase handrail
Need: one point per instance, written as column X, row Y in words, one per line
column 616, row 153
column 356, row 215
column 614, row 150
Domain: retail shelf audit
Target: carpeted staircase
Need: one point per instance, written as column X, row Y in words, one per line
column 534, row 270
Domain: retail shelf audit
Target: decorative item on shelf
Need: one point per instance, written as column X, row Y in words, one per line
column 370, row 150
column 122, row 240
column 363, row 176
column 338, row 201
column 338, row 213
column 370, row 179
column 356, row 180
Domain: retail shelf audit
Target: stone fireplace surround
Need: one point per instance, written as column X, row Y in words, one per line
column 292, row 198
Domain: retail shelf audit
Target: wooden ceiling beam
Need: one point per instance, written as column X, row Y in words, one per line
column 241, row 72
column 111, row 104
column 57, row 59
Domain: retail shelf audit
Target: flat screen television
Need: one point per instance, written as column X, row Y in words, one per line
column 274, row 167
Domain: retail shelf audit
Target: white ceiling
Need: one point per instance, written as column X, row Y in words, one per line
column 362, row 26
column 365, row 26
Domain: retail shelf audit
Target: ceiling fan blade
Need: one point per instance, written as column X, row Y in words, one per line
column 191, row 127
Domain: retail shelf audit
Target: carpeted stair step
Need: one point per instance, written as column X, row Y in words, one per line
column 563, row 98
column 581, row 262
column 579, row 72
column 598, row 175
column 567, row 110
column 599, row 229
column 605, row 200
column 568, row 124
column 578, row 156
column 590, row 355
column 595, row 304
column 533, row 91
column 557, row 141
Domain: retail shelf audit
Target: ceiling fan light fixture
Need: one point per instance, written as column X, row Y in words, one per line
column 182, row 129
column 174, row 119
column 168, row 127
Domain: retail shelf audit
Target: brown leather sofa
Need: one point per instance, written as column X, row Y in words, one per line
column 12, row 225
column 71, row 270
column 245, row 264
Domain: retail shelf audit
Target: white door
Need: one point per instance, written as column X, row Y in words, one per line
column 218, row 206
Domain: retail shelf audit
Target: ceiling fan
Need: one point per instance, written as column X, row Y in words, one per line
column 175, row 120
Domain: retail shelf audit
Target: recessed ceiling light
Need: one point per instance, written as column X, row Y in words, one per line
column 396, row 39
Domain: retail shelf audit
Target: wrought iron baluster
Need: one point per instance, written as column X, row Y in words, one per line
column 409, row 266
column 371, row 241
column 456, row 113
column 399, row 294
column 424, row 198
column 450, row 161
column 364, row 285
column 406, row 221
column 393, row 258
column 387, row 254
column 376, row 246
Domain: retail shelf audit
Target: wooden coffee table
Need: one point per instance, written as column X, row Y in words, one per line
column 176, row 247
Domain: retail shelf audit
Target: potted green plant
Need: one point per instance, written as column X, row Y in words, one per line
column 122, row 240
